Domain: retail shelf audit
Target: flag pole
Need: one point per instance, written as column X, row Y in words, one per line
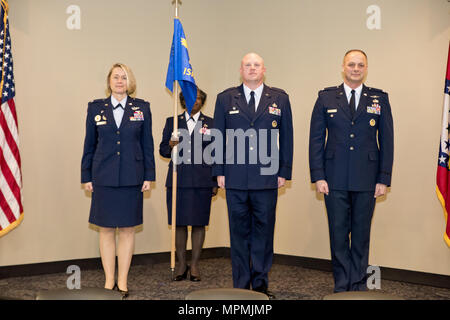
column 174, row 166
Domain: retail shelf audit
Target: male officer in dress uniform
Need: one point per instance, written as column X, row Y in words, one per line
column 263, row 115
column 351, row 149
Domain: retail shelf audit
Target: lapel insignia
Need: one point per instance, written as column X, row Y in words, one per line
column 97, row 118
column 181, row 117
column 104, row 118
column 365, row 94
column 102, row 111
column 202, row 120
column 374, row 97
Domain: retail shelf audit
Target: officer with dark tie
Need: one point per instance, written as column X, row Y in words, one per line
column 351, row 149
column 251, row 118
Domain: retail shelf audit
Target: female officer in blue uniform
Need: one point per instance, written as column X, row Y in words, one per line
column 195, row 186
column 117, row 167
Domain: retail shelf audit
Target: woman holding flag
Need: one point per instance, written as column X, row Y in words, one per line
column 195, row 185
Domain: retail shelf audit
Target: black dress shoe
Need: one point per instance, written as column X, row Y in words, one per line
column 263, row 289
column 182, row 276
column 195, row 278
column 124, row 293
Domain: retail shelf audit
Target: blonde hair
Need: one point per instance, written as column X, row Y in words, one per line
column 131, row 81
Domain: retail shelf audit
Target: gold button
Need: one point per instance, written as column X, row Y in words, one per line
column 118, row 153
column 118, row 132
column 118, row 142
column 352, row 135
column 351, row 148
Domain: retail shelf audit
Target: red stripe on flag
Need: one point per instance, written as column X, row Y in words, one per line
column 6, row 209
column 12, row 107
column 10, row 179
column 448, row 62
column 9, row 138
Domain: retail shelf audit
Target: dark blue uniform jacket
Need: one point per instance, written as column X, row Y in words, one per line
column 118, row 156
column 189, row 173
column 352, row 154
column 273, row 117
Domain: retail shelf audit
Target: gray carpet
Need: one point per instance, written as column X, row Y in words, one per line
column 152, row 282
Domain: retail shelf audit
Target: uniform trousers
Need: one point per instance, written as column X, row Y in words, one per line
column 251, row 215
column 349, row 220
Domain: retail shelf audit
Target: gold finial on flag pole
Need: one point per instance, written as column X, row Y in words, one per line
column 176, row 6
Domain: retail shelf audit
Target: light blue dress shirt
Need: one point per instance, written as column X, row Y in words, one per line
column 118, row 112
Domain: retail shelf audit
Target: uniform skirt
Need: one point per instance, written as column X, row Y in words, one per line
column 193, row 206
column 119, row 207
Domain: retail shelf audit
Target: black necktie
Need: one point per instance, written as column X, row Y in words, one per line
column 352, row 104
column 119, row 105
column 251, row 104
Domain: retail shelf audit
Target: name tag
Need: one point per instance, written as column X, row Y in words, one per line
column 331, row 110
column 233, row 112
column 100, row 123
column 275, row 111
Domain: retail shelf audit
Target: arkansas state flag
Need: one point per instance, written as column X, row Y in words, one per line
column 443, row 173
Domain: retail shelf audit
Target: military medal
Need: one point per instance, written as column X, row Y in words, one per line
column 138, row 116
column 97, row 118
column 372, row 122
column 205, row 130
column 274, row 124
column 274, row 110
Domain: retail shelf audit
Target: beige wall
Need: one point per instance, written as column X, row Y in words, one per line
column 57, row 71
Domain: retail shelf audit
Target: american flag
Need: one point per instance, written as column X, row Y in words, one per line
column 11, row 210
column 443, row 171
